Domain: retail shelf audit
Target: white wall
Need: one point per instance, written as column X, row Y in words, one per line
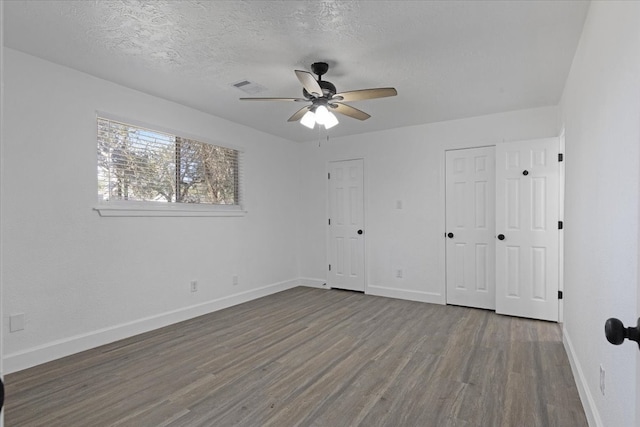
column 404, row 164
column 1, row 173
column 601, row 113
column 83, row 280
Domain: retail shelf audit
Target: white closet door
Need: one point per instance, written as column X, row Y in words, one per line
column 346, row 228
column 470, row 218
column 527, row 229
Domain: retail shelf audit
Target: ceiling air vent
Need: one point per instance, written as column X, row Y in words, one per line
column 249, row 87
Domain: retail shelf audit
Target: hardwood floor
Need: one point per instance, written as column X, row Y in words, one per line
column 313, row 357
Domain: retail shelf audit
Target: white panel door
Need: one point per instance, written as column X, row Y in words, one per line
column 346, row 225
column 470, row 221
column 527, row 229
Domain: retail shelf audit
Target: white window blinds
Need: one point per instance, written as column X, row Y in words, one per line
column 139, row 164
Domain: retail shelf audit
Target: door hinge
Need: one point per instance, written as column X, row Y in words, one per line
column 560, row 157
column 329, row 221
column 560, row 296
column 329, row 175
column 560, row 225
column 329, row 267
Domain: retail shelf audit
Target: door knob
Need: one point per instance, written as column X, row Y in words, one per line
column 616, row 332
column 500, row 236
column 450, row 235
column 525, row 172
column 360, row 231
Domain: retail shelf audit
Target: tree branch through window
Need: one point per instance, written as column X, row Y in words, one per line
column 140, row 164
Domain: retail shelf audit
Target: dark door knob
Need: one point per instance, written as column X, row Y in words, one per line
column 615, row 332
column 360, row 231
column 500, row 236
column 525, row 172
column 450, row 235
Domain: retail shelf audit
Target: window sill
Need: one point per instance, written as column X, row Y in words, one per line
column 165, row 210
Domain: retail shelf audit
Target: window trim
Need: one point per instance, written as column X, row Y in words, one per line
column 149, row 209
column 118, row 208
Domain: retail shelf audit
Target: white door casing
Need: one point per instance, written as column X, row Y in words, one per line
column 527, row 209
column 346, row 225
column 470, row 226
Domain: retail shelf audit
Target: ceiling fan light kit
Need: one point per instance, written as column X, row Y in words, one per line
column 309, row 119
column 320, row 115
column 330, row 121
column 324, row 99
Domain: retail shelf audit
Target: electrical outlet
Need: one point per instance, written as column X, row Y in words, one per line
column 234, row 280
column 16, row 322
column 602, row 379
column 399, row 274
column 194, row 286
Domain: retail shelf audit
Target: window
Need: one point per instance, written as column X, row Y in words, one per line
column 136, row 164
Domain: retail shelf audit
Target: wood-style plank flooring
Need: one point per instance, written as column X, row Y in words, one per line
column 311, row 357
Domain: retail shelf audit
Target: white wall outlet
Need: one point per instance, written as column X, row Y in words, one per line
column 399, row 204
column 602, row 379
column 194, row 286
column 399, row 273
column 234, row 280
column 16, row 322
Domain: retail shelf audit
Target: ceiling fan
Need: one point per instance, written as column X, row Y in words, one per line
column 325, row 100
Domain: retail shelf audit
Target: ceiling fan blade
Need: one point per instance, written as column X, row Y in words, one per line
column 309, row 82
column 360, row 95
column 348, row 110
column 298, row 114
column 273, row 99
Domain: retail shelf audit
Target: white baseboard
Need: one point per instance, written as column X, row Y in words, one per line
column 588, row 403
column 57, row 349
column 313, row 283
column 406, row 294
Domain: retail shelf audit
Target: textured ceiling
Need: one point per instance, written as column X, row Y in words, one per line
column 448, row 60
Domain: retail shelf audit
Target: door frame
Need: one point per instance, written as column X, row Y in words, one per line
column 365, row 186
column 561, row 170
